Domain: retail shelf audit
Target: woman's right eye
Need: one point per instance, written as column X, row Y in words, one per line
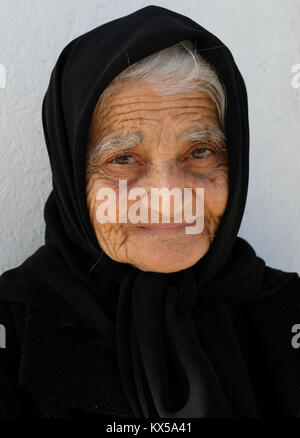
column 123, row 160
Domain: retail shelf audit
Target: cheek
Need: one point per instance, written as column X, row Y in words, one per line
column 109, row 234
column 91, row 199
column 216, row 192
column 92, row 188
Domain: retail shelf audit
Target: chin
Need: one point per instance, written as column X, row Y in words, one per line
column 166, row 267
column 166, row 262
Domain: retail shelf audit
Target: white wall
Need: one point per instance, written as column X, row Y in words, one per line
column 264, row 37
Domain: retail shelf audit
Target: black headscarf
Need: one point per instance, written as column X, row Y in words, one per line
column 162, row 327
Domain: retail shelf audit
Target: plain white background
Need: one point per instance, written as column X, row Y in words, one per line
column 264, row 38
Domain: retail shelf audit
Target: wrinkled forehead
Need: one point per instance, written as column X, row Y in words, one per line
column 139, row 103
column 95, row 62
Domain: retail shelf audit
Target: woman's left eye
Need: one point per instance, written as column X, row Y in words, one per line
column 123, row 159
column 201, row 153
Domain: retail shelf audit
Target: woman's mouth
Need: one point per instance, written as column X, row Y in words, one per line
column 166, row 227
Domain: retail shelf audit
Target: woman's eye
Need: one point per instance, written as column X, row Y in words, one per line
column 201, row 153
column 123, row 159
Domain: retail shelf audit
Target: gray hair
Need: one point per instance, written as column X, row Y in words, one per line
column 175, row 69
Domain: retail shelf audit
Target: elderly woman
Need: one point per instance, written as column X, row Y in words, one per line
column 122, row 312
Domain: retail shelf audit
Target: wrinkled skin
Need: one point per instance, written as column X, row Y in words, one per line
column 163, row 161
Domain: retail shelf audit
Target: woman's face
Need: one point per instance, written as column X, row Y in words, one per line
column 163, row 159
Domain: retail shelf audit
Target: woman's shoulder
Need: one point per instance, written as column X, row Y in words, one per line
column 280, row 304
column 13, row 400
column 22, row 289
column 12, row 306
column 286, row 295
column 12, row 313
column 268, row 330
column 12, row 318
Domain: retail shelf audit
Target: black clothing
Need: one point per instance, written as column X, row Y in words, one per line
column 94, row 335
column 49, row 371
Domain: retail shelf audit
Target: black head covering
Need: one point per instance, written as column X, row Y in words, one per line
column 159, row 325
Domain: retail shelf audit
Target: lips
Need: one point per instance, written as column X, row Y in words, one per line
column 166, row 226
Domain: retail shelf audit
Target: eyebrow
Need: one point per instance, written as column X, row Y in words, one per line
column 121, row 144
column 116, row 144
column 214, row 135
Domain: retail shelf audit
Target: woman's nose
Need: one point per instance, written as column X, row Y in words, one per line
column 165, row 174
column 165, row 177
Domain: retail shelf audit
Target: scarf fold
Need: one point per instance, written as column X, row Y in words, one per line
column 163, row 366
column 169, row 344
